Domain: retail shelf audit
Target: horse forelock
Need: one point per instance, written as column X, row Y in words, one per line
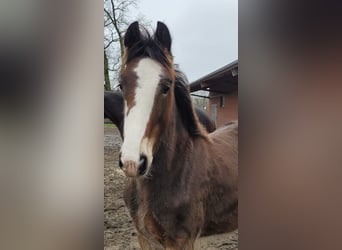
column 147, row 46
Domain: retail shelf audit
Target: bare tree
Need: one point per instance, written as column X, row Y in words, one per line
column 107, row 85
column 117, row 16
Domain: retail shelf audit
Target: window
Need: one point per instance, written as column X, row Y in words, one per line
column 222, row 101
column 214, row 112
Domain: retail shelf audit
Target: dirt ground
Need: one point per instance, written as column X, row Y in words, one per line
column 119, row 231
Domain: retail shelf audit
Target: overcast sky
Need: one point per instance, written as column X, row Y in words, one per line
column 204, row 32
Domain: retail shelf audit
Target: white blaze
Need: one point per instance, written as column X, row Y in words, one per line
column 148, row 77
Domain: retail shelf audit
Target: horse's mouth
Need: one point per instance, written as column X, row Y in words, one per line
column 130, row 169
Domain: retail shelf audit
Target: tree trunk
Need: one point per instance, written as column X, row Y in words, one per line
column 107, row 85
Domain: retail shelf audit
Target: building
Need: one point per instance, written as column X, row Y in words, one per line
column 222, row 88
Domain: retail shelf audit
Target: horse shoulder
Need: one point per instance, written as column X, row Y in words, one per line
column 225, row 142
column 221, row 203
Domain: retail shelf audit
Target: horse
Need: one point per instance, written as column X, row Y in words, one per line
column 182, row 180
column 205, row 120
column 114, row 110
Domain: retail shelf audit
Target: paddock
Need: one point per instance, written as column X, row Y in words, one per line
column 119, row 231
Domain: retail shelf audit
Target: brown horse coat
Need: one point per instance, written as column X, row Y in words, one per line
column 189, row 195
column 190, row 188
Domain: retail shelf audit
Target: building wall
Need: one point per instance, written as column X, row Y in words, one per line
column 200, row 102
column 228, row 112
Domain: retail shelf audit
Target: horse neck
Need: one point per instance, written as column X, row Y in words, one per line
column 173, row 140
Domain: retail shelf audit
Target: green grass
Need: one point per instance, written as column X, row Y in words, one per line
column 109, row 125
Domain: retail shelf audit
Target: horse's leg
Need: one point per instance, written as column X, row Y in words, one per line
column 182, row 244
column 143, row 242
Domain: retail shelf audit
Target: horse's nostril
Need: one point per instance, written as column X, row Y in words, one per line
column 142, row 164
column 120, row 162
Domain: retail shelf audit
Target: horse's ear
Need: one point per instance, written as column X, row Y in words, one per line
column 162, row 35
column 132, row 35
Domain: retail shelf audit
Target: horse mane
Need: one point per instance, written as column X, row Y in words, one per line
column 148, row 46
column 185, row 107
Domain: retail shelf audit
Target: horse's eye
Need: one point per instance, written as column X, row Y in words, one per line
column 120, row 86
column 165, row 89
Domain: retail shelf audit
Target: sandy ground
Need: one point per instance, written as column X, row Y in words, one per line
column 119, row 231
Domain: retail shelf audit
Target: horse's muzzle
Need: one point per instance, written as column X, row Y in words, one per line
column 133, row 169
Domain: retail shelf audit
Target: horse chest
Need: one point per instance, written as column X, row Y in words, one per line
column 148, row 224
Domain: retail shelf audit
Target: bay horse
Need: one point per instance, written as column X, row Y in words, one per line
column 114, row 110
column 182, row 180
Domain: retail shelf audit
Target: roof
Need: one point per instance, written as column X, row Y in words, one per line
column 222, row 80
